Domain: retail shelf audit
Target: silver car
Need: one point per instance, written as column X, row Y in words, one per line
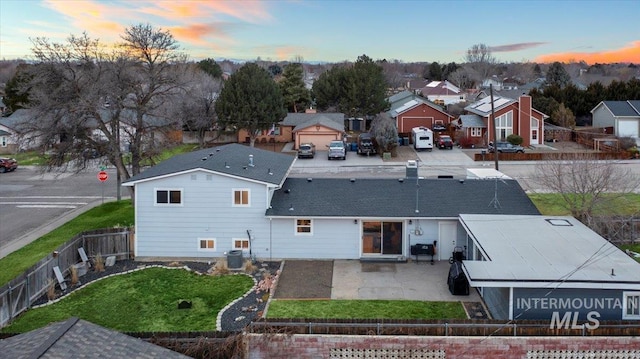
column 307, row 150
column 337, row 149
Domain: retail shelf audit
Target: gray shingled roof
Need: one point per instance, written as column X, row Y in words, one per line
column 331, row 197
column 400, row 96
column 295, row 119
column 18, row 119
column 233, row 159
column 623, row 108
column 76, row 338
column 321, row 120
column 468, row 121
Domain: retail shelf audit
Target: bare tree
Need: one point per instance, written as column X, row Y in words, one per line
column 479, row 57
column 587, row 186
column 383, row 129
column 564, row 117
column 197, row 106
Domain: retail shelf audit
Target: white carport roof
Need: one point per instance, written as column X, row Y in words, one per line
column 545, row 252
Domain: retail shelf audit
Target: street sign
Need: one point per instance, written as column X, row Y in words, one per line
column 102, row 176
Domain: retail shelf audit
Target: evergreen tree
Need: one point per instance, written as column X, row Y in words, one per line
column 211, row 67
column 558, row 76
column 295, row 94
column 250, row 100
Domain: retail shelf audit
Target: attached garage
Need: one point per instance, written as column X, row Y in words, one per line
column 628, row 128
column 320, row 139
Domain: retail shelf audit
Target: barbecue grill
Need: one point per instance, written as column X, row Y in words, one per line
column 423, row 249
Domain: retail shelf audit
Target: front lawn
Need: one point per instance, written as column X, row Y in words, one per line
column 143, row 301
column 107, row 215
column 551, row 204
column 365, row 309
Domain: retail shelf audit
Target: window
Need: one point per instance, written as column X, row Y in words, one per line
column 3, row 141
column 476, row 132
column 504, row 126
column 241, row 197
column 168, row 196
column 206, row 244
column 303, row 226
column 630, row 305
column 240, row 243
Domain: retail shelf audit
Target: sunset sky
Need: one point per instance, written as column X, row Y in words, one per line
column 334, row 30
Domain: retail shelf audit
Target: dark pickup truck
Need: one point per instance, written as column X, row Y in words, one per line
column 366, row 144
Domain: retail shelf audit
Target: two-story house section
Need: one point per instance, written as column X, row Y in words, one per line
column 205, row 203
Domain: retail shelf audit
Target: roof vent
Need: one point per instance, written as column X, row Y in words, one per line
column 251, row 161
column 352, row 180
column 400, row 180
column 210, row 154
column 309, row 179
column 461, row 181
column 204, row 158
column 291, row 208
column 287, row 191
column 226, row 165
column 269, row 172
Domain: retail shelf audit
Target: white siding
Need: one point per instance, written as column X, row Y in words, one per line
column 206, row 212
column 602, row 117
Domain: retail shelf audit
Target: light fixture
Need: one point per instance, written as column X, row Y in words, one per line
column 410, row 222
column 355, row 221
column 317, row 127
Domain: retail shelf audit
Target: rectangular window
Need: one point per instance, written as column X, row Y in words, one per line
column 206, row 244
column 476, row 132
column 303, row 226
column 241, row 243
column 276, row 132
column 241, row 197
column 168, row 196
column 504, row 126
column 630, row 305
column 3, row 141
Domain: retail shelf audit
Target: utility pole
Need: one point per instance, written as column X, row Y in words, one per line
column 495, row 134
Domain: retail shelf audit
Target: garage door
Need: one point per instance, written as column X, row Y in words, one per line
column 320, row 140
column 628, row 128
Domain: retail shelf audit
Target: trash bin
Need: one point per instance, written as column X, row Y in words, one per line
column 234, row 259
column 354, row 146
column 405, row 141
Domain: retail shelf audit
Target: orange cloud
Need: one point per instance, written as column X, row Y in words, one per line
column 197, row 33
column 249, row 11
column 630, row 54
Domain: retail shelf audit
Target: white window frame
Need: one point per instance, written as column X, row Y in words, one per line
column 3, row 141
column 626, row 300
column 299, row 226
column 207, row 249
column 476, row 131
column 168, row 190
column 233, row 197
column 242, row 240
column 504, row 126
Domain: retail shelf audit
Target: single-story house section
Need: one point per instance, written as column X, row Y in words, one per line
column 409, row 111
column 317, row 128
column 15, row 133
column 548, row 267
column 443, row 93
column 622, row 116
column 512, row 117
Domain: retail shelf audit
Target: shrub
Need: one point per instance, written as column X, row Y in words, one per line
column 74, row 275
column 51, row 289
column 221, row 268
column 249, row 267
column 514, row 139
column 98, row 263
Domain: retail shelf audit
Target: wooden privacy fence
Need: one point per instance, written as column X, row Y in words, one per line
column 19, row 294
column 460, row 327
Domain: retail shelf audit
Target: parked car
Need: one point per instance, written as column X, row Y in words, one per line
column 307, row 150
column 8, row 164
column 366, row 145
column 337, row 149
column 505, row 147
column 445, row 141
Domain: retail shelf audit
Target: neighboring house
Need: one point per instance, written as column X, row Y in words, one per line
column 203, row 204
column 622, row 116
column 15, row 134
column 443, row 93
column 77, row 338
column 546, row 267
column 512, row 117
column 409, row 111
column 317, row 128
column 494, row 82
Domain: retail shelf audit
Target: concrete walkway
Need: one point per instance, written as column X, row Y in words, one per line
column 422, row 281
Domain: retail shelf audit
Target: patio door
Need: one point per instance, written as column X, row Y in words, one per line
column 381, row 238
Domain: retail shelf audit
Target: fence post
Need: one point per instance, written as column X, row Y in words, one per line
column 310, row 331
column 378, row 328
column 515, row 330
column 446, row 329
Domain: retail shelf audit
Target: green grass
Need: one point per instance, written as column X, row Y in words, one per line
column 30, row 158
column 551, row 204
column 632, row 247
column 107, row 215
column 365, row 309
column 144, row 301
